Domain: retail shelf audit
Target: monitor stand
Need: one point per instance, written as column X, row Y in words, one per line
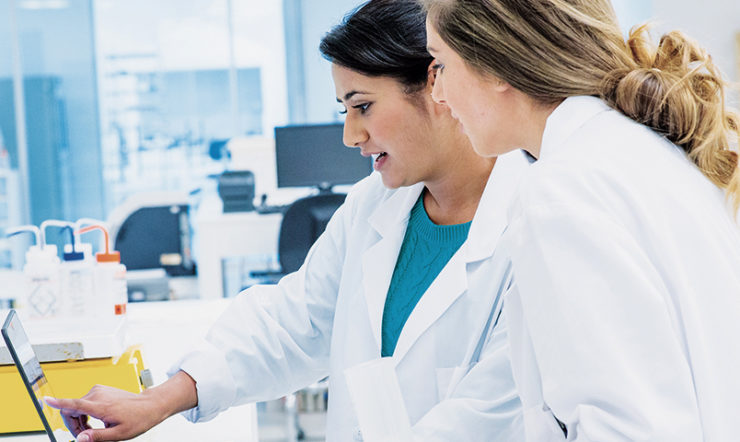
column 325, row 188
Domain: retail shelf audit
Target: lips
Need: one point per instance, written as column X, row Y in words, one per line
column 379, row 159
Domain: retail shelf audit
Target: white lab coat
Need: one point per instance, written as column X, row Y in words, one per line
column 451, row 357
column 624, row 319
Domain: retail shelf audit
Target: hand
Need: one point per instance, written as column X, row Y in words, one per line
column 125, row 415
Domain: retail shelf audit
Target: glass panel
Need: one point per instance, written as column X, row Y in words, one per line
column 56, row 45
column 8, row 190
column 168, row 99
column 57, row 95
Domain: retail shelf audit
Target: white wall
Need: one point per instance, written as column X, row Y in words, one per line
column 632, row 12
column 713, row 23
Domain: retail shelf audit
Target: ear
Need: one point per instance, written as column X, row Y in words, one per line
column 500, row 85
column 431, row 76
column 436, row 108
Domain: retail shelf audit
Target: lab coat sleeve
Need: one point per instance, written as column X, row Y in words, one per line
column 483, row 405
column 272, row 340
column 601, row 322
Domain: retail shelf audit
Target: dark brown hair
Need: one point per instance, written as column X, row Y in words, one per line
column 382, row 38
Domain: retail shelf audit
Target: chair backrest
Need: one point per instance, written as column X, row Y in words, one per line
column 303, row 222
column 156, row 237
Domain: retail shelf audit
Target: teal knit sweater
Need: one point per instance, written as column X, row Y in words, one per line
column 425, row 251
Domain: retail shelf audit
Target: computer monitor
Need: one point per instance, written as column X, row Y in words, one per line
column 314, row 155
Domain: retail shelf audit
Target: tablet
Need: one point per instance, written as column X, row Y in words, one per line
column 33, row 377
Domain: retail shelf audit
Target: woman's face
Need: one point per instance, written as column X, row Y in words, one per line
column 384, row 122
column 483, row 106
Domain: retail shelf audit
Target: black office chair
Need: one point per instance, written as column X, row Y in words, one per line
column 156, row 237
column 303, row 222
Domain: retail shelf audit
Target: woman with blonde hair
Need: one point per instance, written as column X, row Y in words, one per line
column 625, row 247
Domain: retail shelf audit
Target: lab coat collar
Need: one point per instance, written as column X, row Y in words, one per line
column 490, row 218
column 395, row 209
column 568, row 117
column 487, row 227
column 389, row 220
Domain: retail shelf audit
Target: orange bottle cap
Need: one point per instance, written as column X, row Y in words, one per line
column 113, row 256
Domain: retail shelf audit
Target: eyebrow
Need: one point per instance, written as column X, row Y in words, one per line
column 351, row 94
column 431, row 49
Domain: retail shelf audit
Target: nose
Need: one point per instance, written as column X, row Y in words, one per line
column 354, row 133
column 438, row 91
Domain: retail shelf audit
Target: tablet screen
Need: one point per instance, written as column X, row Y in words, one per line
column 28, row 364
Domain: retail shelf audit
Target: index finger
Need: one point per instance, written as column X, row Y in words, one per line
column 78, row 405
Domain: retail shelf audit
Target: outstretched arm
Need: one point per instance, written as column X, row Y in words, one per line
column 126, row 415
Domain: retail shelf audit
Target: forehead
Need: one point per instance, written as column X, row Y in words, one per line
column 435, row 44
column 347, row 81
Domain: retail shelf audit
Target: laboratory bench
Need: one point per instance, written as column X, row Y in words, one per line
column 166, row 330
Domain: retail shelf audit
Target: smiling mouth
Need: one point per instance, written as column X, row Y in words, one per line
column 378, row 156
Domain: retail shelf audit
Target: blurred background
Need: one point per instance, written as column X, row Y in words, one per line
column 104, row 102
column 102, row 99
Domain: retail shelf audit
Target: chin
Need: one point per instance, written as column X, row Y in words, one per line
column 483, row 149
column 390, row 183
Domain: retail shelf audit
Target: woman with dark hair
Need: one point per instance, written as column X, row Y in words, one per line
column 399, row 272
column 624, row 316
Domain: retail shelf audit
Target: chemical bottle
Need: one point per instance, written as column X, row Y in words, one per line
column 76, row 275
column 110, row 277
column 41, row 297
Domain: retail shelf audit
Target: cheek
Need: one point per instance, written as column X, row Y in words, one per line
column 392, row 128
column 458, row 98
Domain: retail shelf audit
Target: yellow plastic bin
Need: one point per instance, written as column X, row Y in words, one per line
column 70, row 379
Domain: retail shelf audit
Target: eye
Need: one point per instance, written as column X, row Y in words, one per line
column 439, row 67
column 363, row 107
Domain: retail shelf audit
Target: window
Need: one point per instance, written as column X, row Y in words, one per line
column 178, row 78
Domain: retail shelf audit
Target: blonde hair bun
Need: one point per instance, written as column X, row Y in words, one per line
column 676, row 89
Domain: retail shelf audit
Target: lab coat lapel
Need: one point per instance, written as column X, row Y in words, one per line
column 389, row 220
column 451, row 282
column 487, row 227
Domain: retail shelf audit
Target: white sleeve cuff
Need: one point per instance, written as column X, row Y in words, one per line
column 214, row 383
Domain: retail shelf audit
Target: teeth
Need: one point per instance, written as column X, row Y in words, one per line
column 377, row 156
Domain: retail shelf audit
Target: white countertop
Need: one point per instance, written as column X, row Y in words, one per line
column 166, row 330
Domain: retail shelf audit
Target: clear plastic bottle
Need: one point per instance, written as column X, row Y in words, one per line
column 110, row 278
column 77, row 281
column 41, row 297
column 76, row 274
column 43, row 293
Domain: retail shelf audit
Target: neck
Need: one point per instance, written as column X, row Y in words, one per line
column 453, row 196
column 534, row 125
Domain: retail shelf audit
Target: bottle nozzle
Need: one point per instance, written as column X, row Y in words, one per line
column 108, row 255
column 27, row 228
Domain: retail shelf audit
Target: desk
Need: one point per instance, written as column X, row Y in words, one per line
column 227, row 235
column 166, row 330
